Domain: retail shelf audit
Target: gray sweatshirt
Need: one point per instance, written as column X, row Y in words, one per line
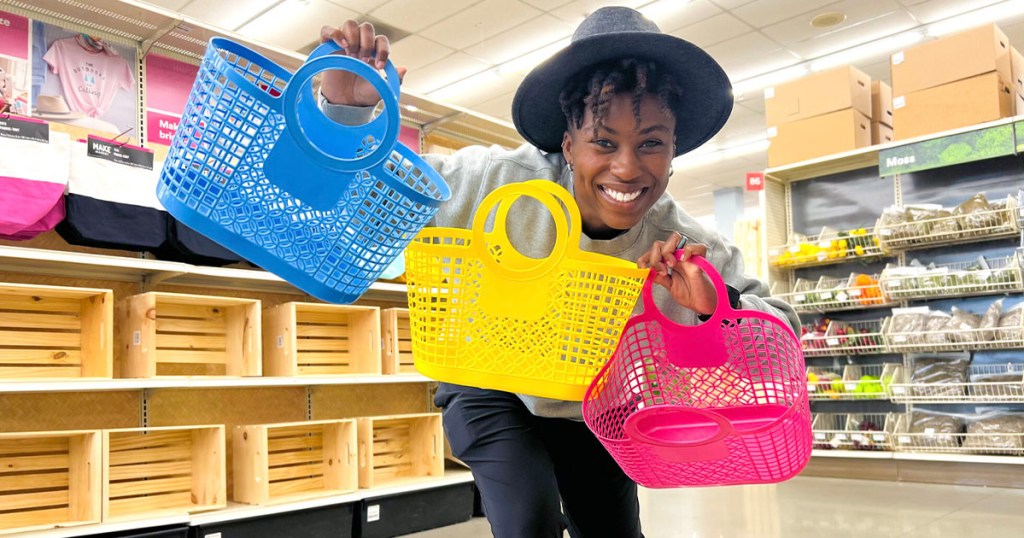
column 475, row 171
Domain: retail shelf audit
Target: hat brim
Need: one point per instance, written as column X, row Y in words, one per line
column 705, row 104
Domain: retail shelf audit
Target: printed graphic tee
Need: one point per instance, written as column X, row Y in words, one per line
column 90, row 79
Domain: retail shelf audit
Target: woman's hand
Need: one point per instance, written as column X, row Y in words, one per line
column 687, row 283
column 358, row 41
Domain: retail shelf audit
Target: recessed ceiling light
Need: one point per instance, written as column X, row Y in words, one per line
column 828, row 20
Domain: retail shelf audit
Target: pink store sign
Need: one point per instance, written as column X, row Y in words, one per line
column 168, row 83
column 410, row 137
column 13, row 36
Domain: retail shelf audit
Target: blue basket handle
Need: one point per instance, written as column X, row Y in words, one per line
column 330, row 47
column 307, row 156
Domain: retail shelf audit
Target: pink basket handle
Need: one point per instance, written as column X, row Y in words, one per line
column 696, row 346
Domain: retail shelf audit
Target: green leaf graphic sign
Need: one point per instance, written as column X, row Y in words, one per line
column 947, row 151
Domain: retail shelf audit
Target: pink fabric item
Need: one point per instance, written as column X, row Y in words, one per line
column 50, row 220
column 24, row 202
column 90, row 79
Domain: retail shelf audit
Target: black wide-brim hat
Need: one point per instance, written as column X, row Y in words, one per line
column 612, row 33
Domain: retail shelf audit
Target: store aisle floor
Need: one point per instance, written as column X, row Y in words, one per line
column 816, row 508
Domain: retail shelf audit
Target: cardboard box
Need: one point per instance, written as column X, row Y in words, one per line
column 950, row 106
column 881, row 103
column 821, row 93
column 949, row 59
column 819, row 136
column 1017, row 70
column 881, row 133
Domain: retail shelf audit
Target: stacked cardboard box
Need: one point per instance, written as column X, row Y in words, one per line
column 1017, row 82
column 818, row 115
column 953, row 82
column 881, row 113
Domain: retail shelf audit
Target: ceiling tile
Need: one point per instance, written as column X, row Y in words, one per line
column 173, row 5
column 444, row 71
column 499, row 107
column 714, row 30
column 574, row 12
column 763, row 13
column 731, row 4
column 865, row 21
column 483, row 20
column 231, row 14
column 749, row 55
column 293, row 24
column 415, row 15
column 526, row 37
column 483, row 92
column 877, row 70
column 415, row 52
column 934, row 10
column 362, row 6
column 685, row 14
column 547, row 5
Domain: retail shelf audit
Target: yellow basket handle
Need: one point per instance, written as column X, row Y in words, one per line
column 554, row 197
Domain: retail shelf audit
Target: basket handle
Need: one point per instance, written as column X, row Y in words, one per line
column 557, row 201
column 313, row 143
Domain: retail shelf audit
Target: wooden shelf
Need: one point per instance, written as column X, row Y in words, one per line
column 237, row 511
column 153, row 272
column 107, row 385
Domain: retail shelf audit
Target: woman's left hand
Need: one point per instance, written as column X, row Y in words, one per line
column 686, row 281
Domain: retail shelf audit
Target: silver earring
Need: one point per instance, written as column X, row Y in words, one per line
column 670, row 171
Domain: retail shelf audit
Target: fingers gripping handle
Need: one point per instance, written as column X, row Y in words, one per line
column 307, row 156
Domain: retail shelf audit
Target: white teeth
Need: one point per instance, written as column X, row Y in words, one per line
column 622, row 196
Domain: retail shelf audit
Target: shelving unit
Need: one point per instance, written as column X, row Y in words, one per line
column 866, row 182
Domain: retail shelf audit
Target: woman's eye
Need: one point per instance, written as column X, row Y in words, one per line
column 651, row 144
column 603, row 143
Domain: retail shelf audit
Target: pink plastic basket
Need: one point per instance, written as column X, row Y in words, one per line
column 720, row 403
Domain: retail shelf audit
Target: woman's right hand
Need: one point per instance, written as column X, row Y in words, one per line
column 357, row 40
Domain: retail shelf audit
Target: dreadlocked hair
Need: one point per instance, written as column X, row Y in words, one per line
column 594, row 89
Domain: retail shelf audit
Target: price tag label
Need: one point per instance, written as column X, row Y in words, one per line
column 822, row 256
column 800, row 298
column 819, row 436
column 840, row 436
column 858, row 437
column 899, row 390
column 903, row 439
column 899, row 338
column 825, row 295
column 824, row 244
column 878, row 437
column 832, row 341
column 812, row 388
column 850, row 387
column 885, row 231
column 794, row 249
column 929, row 431
column 894, row 283
column 855, row 293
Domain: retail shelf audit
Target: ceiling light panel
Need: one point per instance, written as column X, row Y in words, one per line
column 415, row 52
column 229, row 15
column 671, row 15
column 714, row 30
column 415, row 15
column 760, row 14
column 523, row 39
column 480, row 22
column 292, row 24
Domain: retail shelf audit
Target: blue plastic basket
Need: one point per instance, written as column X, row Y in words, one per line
column 257, row 167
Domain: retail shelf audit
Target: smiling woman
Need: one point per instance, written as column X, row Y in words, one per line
column 604, row 117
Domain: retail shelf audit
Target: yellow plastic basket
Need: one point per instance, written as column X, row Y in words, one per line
column 485, row 315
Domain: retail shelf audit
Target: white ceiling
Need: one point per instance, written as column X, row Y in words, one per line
column 446, row 41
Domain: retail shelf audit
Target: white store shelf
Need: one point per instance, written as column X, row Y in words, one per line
column 957, row 458
column 107, row 385
column 853, row 454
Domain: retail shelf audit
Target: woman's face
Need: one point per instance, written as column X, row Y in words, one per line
column 623, row 170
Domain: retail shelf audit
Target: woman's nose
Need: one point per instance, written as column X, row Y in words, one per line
column 626, row 165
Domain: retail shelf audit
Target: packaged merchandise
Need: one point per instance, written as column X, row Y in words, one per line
column 962, row 326
column 1010, row 324
column 990, row 321
column 933, row 371
column 995, row 432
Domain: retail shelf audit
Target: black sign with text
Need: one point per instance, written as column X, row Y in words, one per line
column 24, row 129
column 114, row 152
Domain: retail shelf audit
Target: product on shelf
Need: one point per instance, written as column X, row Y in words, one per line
column 397, row 335
column 825, row 382
column 998, row 385
column 905, row 327
column 978, row 217
column 951, row 279
column 399, row 447
column 990, row 321
column 867, row 288
column 301, row 339
column 962, row 326
column 829, row 431
column 1010, row 324
column 929, row 431
column 940, row 371
column 868, row 432
column 995, row 433
column 902, row 227
column 828, row 245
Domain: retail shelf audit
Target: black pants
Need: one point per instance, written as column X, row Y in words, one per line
column 525, row 465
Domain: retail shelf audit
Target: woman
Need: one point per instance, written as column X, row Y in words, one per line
column 604, row 117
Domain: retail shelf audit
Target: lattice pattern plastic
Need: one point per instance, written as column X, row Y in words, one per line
column 545, row 333
column 755, row 382
column 214, row 181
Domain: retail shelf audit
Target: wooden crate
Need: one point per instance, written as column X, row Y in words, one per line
column 49, row 479
column 55, row 332
column 321, row 339
column 397, row 341
column 289, row 461
column 399, row 447
column 170, row 334
column 152, row 471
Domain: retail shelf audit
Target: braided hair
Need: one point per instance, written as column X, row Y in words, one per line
column 594, row 89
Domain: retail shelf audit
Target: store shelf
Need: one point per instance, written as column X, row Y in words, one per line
column 1002, row 221
column 853, row 454
column 1005, row 385
column 848, row 382
column 824, row 166
column 835, row 294
column 1007, row 445
column 826, row 248
column 846, row 338
column 154, row 272
column 957, row 458
column 110, row 385
column 960, row 279
column 236, row 511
